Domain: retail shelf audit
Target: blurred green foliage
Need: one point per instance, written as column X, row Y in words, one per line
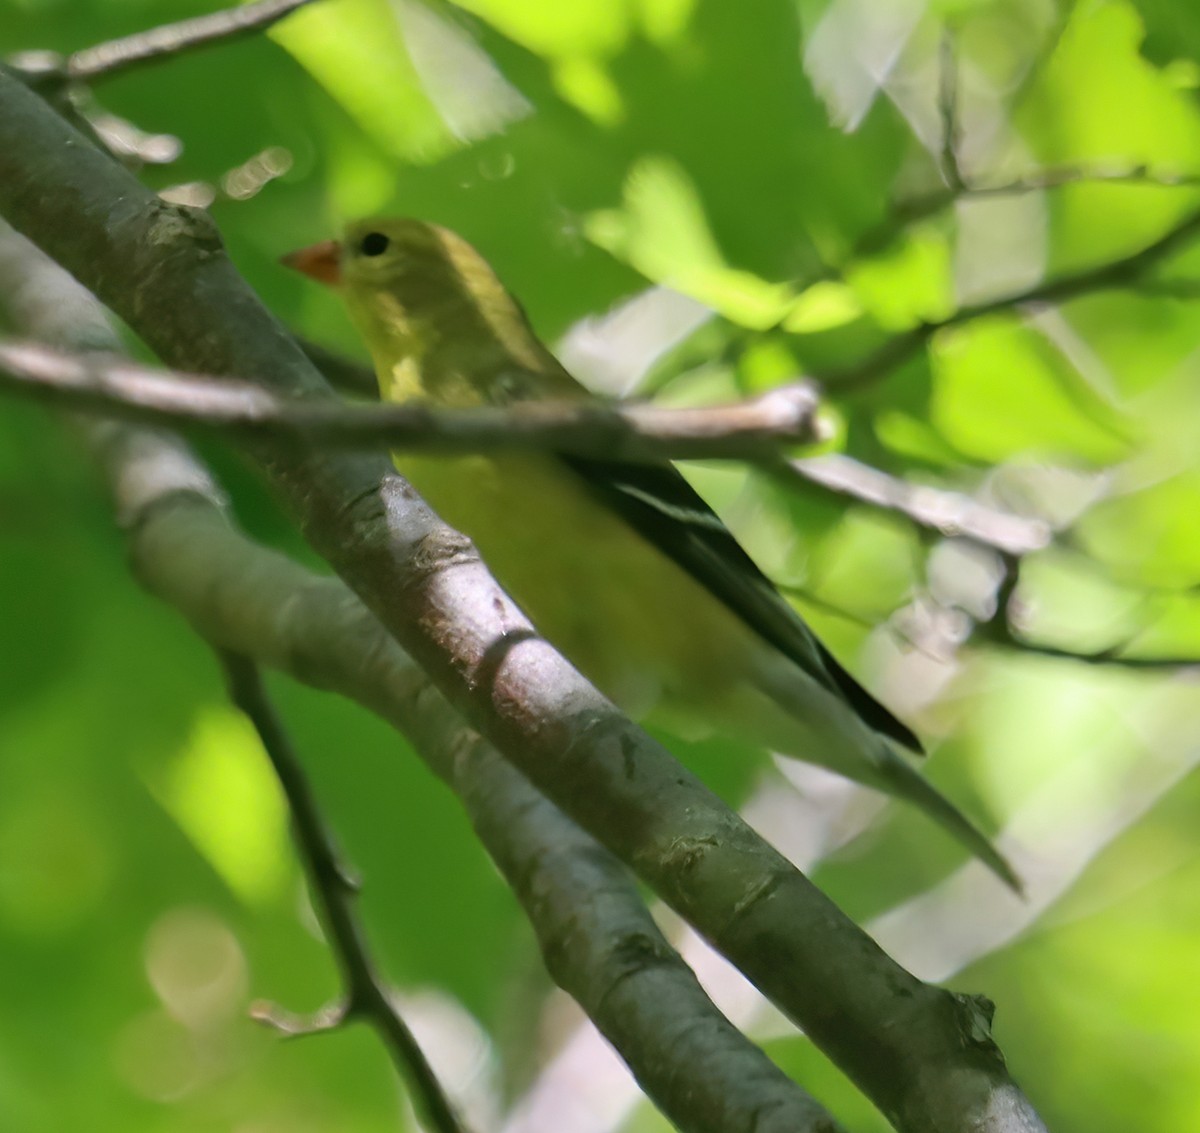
column 784, row 164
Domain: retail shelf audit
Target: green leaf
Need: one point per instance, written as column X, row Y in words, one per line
column 1150, row 534
column 224, row 795
column 411, row 79
column 1098, row 104
column 1000, row 390
column 909, row 284
column 663, row 232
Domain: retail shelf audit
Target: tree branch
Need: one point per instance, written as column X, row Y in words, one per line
column 366, row 996
column 905, row 213
column 950, row 513
column 746, row 430
column 953, row 514
column 909, row 1046
column 1121, row 273
column 999, row 630
column 1112, row 656
column 948, row 113
column 599, row 941
column 107, row 59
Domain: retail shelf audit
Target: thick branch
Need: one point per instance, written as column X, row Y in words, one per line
column 598, row 939
column 909, row 1046
column 746, row 430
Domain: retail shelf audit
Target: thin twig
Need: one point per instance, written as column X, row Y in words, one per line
column 950, row 513
column 1126, row 272
column 1111, row 656
column 751, row 430
column 948, row 113
column 367, row 997
column 925, row 205
column 1000, row 630
column 745, row 430
column 1056, row 177
column 107, row 59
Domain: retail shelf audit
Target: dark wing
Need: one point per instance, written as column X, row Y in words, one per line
column 663, row 508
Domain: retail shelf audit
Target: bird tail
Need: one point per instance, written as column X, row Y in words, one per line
column 898, row 778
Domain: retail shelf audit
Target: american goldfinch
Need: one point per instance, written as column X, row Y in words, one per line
column 623, row 567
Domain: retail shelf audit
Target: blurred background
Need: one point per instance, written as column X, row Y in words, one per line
column 934, row 206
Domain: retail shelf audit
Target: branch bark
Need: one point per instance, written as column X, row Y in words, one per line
column 107, row 59
column 748, row 430
column 367, row 996
column 918, row 1051
column 939, row 509
column 598, row 939
column 949, row 513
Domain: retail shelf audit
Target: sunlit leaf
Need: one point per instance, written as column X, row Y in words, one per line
column 999, row 390
column 822, row 307
column 910, row 284
column 1097, row 103
column 663, row 232
column 222, row 792
column 1150, row 533
column 586, row 27
column 412, row 80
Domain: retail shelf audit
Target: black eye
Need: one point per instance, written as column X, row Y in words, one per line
column 374, row 244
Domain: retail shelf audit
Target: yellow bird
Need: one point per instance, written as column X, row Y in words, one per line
column 623, row 567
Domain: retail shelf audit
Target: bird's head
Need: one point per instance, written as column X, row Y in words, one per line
column 421, row 292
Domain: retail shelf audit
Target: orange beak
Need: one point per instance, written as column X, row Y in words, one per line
column 322, row 262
